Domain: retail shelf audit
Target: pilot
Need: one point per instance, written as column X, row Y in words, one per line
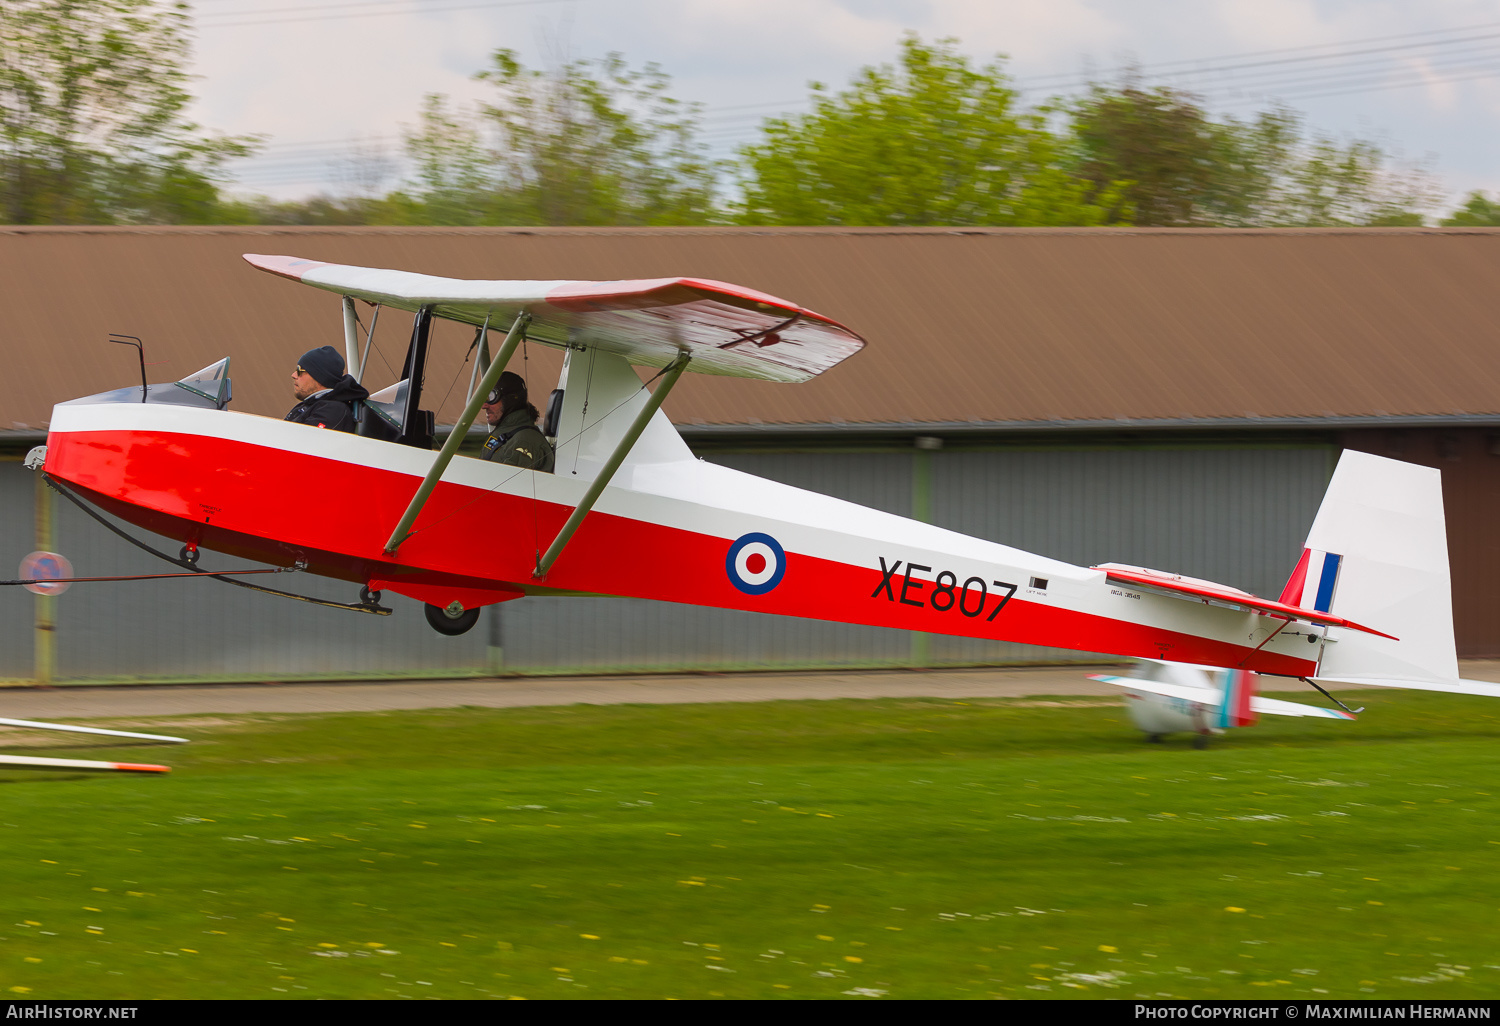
column 514, row 437
column 326, row 394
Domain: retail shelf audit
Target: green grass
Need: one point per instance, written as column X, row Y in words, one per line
column 920, row 848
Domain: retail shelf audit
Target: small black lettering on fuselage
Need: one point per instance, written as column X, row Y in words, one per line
column 942, row 592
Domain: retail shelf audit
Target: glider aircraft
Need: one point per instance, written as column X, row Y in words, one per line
column 1168, row 698
column 629, row 511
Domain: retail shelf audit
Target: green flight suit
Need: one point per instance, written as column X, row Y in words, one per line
column 518, row 442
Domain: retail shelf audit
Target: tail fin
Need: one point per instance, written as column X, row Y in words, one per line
column 1239, row 689
column 1377, row 554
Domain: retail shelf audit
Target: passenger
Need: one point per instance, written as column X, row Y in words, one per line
column 514, row 437
column 327, row 394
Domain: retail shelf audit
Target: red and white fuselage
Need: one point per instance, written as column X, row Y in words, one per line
column 669, row 527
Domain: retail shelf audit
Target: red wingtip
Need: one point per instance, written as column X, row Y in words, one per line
column 141, row 767
column 286, row 266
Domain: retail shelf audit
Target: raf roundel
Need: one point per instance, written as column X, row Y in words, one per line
column 756, row 563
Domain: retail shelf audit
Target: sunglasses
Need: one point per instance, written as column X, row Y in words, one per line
column 298, row 372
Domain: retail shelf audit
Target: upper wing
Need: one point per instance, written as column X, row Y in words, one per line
column 727, row 329
column 1180, row 587
column 1210, row 696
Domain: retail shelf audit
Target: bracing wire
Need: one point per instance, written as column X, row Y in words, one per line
column 536, row 529
column 458, row 373
column 67, row 493
column 583, row 418
column 370, row 341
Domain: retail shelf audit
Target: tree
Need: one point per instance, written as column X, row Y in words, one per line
column 1478, row 211
column 1185, row 168
column 92, row 126
column 457, row 179
column 934, row 140
column 1157, row 141
column 1351, row 184
column 591, row 143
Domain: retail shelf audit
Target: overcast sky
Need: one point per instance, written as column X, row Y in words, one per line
column 1423, row 79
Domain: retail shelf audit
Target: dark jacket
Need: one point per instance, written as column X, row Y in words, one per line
column 517, row 441
column 333, row 410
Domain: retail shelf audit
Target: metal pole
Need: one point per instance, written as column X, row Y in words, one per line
column 921, row 509
column 45, row 636
column 351, row 339
column 450, row 447
column 484, row 348
column 482, row 359
column 364, row 357
column 622, row 449
column 495, row 651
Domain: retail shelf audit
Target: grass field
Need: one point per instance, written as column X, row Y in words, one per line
column 913, row 848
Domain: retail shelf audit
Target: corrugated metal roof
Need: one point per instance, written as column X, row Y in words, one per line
column 965, row 326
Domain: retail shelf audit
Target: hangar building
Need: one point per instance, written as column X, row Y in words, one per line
column 1172, row 398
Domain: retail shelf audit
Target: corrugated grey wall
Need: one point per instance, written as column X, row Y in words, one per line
column 16, row 533
column 1236, row 515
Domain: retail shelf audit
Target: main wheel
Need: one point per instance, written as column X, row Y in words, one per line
column 453, row 620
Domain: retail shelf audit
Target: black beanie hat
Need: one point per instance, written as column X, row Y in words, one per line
column 510, row 386
column 324, row 364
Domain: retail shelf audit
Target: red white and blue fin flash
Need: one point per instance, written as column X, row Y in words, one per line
column 1312, row 584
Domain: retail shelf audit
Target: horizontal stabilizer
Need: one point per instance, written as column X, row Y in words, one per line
column 1209, row 591
column 726, row 329
column 1454, row 687
column 1211, row 697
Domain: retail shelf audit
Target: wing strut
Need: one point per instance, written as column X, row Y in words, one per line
column 351, row 340
column 622, row 449
column 455, row 439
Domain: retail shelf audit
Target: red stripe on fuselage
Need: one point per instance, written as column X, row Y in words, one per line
column 276, row 505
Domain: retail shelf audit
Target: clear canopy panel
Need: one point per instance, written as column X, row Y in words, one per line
column 208, row 388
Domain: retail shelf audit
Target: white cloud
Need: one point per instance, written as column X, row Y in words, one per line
column 320, row 80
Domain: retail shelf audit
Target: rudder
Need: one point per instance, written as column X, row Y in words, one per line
column 1377, row 554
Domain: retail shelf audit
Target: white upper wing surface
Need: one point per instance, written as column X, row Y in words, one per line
column 727, row 329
